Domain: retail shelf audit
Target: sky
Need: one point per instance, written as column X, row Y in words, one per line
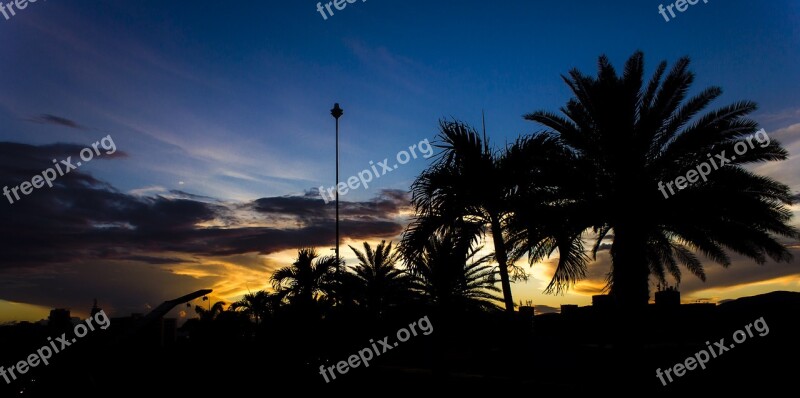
column 218, row 133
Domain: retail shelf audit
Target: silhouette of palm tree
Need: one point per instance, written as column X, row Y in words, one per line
column 546, row 204
column 306, row 279
column 466, row 182
column 210, row 314
column 625, row 139
column 257, row 306
column 344, row 291
column 448, row 273
column 381, row 282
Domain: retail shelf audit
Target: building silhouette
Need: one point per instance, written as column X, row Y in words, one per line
column 668, row 298
column 95, row 309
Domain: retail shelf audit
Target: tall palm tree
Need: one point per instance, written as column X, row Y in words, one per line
column 465, row 183
column 258, row 305
column 626, row 139
column 306, row 279
column 210, row 314
column 448, row 273
column 382, row 283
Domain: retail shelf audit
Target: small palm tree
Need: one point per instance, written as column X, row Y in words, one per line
column 210, row 314
column 382, row 283
column 257, row 306
column 306, row 279
column 448, row 273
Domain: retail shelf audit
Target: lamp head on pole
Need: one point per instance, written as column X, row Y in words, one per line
column 336, row 112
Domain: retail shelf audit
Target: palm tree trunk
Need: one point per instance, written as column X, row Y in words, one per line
column 502, row 261
column 630, row 273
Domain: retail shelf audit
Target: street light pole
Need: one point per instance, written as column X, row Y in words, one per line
column 337, row 112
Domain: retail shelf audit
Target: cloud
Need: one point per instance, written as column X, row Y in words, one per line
column 46, row 118
column 83, row 238
column 153, row 259
column 783, row 116
column 784, row 171
column 82, row 218
column 120, row 287
column 399, row 69
column 742, row 271
column 604, row 247
column 545, row 309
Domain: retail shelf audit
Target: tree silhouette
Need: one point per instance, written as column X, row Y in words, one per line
column 381, row 282
column 549, row 209
column 627, row 138
column 258, row 305
column 210, row 314
column 306, row 279
column 466, row 182
column 448, row 273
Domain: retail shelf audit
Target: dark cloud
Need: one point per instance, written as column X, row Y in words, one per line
column 604, row 246
column 390, row 201
column 81, row 218
column 269, row 240
column 154, row 260
column 57, row 121
column 83, row 239
column 741, row 271
column 545, row 309
column 305, row 208
column 20, row 162
column 121, row 288
column 186, row 195
column 309, row 208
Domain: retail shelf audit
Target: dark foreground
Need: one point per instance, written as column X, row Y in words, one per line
column 583, row 351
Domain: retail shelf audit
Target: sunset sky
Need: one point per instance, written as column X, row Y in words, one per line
column 219, row 112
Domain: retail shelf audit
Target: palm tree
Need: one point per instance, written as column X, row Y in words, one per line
column 258, row 305
column 626, row 139
column 465, row 183
column 382, row 283
column 306, row 279
column 209, row 314
column 548, row 209
column 448, row 273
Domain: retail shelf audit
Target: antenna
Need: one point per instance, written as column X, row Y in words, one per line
column 483, row 119
column 485, row 142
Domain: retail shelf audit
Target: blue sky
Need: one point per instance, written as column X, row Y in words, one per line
column 230, row 100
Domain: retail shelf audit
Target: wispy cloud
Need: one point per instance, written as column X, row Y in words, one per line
column 404, row 71
column 54, row 120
